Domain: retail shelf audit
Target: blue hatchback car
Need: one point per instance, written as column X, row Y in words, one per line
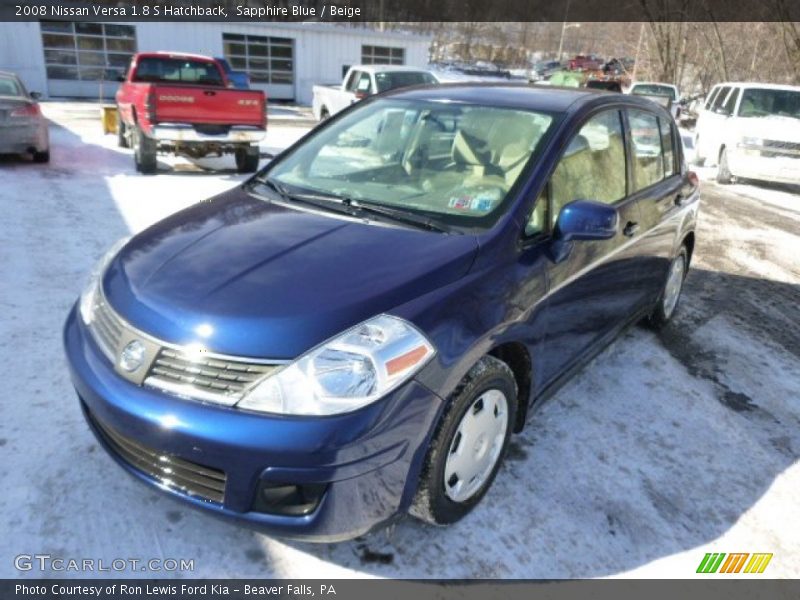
column 356, row 332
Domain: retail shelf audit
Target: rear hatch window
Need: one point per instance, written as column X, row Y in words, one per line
column 177, row 70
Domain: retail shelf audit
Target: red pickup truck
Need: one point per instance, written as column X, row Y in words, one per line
column 586, row 62
column 183, row 103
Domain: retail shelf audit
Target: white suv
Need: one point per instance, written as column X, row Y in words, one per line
column 751, row 130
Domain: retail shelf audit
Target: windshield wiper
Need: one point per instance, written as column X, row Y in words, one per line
column 354, row 208
column 321, row 202
column 398, row 215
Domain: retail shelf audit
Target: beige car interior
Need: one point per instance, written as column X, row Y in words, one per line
column 489, row 149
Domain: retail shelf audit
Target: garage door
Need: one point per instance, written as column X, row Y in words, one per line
column 84, row 59
column 268, row 60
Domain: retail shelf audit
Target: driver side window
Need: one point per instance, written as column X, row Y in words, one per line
column 593, row 165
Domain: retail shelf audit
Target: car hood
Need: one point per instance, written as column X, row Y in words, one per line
column 778, row 128
column 247, row 277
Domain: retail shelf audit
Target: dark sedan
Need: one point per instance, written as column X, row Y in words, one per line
column 357, row 331
column 23, row 129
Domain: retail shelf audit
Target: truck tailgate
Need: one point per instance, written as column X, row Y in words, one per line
column 205, row 105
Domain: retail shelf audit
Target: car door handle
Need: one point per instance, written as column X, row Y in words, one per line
column 630, row 229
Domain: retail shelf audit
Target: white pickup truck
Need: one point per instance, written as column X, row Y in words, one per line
column 665, row 94
column 362, row 81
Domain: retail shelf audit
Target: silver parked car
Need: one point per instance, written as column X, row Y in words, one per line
column 23, row 129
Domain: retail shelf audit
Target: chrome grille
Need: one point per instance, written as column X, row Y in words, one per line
column 224, row 377
column 106, row 326
column 173, row 472
column 176, row 369
column 782, row 145
column 774, row 148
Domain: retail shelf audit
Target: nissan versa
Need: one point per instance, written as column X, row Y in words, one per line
column 356, row 331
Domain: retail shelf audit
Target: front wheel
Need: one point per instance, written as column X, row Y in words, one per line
column 469, row 444
column 247, row 158
column 673, row 286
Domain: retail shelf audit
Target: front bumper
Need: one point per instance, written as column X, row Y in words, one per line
column 369, row 459
column 750, row 163
column 183, row 132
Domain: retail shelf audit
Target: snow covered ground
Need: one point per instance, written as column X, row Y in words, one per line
column 664, row 448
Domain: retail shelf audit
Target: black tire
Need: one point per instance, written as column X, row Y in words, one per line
column 144, row 153
column 663, row 313
column 431, row 503
column 724, row 175
column 41, row 157
column 247, row 158
column 122, row 137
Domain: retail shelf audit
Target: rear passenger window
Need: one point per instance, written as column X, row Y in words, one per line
column 668, row 147
column 711, row 97
column 363, row 83
column 352, row 80
column 727, row 108
column 648, row 159
column 720, row 99
column 593, row 165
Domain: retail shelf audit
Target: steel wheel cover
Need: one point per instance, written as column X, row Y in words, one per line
column 476, row 445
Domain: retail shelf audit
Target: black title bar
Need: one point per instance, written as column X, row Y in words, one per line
column 344, row 11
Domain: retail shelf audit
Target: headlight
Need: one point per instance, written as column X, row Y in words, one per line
column 345, row 373
column 90, row 291
column 751, row 141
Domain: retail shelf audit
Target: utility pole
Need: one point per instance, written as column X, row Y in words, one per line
column 638, row 49
column 563, row 29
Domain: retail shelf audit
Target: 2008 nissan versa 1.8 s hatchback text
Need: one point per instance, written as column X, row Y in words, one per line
column 356, row 332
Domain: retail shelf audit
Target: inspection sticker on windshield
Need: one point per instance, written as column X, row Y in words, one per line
column 482, row 202
column 460, row 202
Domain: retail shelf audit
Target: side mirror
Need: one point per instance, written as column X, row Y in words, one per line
column 120, row 78
column 582, row 220
column 35, row 95
column 586, row 220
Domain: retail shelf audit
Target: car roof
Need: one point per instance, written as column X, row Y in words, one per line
column 522, row 96
column 9, row 74
column 384, row 68
column 670, row 85
column 755, row 84
column 166, row 54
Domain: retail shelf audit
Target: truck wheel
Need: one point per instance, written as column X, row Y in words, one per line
column 144, row 153
column 122, row 135
column 469, row 444
column 724, row 175
column 247, row 158
column 41, row 157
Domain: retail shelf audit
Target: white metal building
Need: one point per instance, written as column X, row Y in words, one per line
column 81, row 60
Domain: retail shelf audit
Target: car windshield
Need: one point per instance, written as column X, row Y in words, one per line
column 390, row 81
column 453, row 162
column 654, row 89
column 9, row 86
column 758, row 102
column 156, row 69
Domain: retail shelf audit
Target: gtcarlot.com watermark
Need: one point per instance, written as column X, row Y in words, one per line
column 49, row 563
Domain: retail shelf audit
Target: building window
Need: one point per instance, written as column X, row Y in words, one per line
column 266, row 59
column 382, row 55
column 87, row 51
